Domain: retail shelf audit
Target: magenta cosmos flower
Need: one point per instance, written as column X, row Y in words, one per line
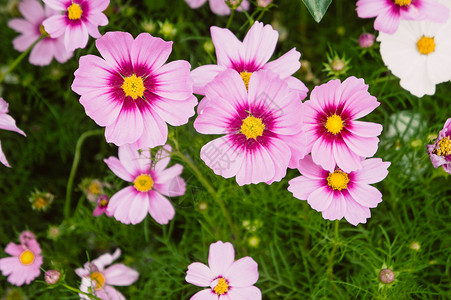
column 247, row 57
column 24, row 264
column 131, row 92
column 440, row 151
column 97, row 279
column 333, row 135
column 101, row 207
column 262, row 127
column 79, row 19
column 226, row 278
column 151, row 182
column 388, row 13
column 31, row 30
column 6, row 123
column 219, row 7
column 339, row 194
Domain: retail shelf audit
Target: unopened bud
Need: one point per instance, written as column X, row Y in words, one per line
column 337, row 65
column 386, row 276
column 52, row 276
column 366, row 40
column 263, row 3
column 415, row 246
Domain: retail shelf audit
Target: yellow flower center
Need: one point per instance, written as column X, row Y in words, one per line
column 444, row 147
column 42, row 30
column 334, row 124
column 426, row 45
column 246, row 77
column 133, row 86
column 222, row 287
column 40, row 203
column 338, row 180
column 26, row 257
column 103, row 203
column 98, row 278
column 74, row 11
column 94, row 188
column 403, row 2
column 143, row 183
column 252, row 127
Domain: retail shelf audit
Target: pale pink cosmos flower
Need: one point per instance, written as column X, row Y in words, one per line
column 31, row 30
column 248, row 57
column 440, row 151
column 151, row 182
column 219, row 7
column 24, row 264
column 226, row 278
column 332, row 132
column 339, row 194
column 262, row 127
column 388, row 13
column 98, row 279
column 132, row 92
column 6, row 123
column 102, row 205
column 78, row 19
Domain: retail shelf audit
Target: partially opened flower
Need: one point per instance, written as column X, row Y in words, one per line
column 6, row 123
column 152, row 181
column 31, row 30
column 102, row 205
column 220, row 7
column 440, row 151
column 98, row 279
column 333, row 135
column 389, row 13
column 132, row 92
column 418, row 53
column 225, row 278
column 78, row 19
column 248, row 57
column 339, row 194
column 24, row 264
column 261, row 127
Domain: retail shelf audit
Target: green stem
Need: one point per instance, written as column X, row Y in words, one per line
column 330, row 265
column 73, row 170
column 91, row 296
column 230, row 18
column 19, row 59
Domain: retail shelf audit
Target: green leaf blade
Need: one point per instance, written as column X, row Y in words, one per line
column 317, row 8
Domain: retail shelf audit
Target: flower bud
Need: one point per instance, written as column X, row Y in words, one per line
column 366, row 40
column 387, row 276
column 52, row 276
column 263, row 3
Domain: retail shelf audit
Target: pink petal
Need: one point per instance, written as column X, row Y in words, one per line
column 257, row 167
column 162, row 158
column 55, row 26
column 321, row 198
column 322, row 154
column 8, row 265
column 203, row 75
column 355, row 213
column 205, row 295
column 365, row 195
column 3, row 159
column 195, row 3
column 243, row 272
column 75, row 37
column 365, row 129
column 24, row 41
column 298, row 147
column 149, row 52
column 115, row 48
column 56, row 4
column 175, row 112
column 297, row 86
column 324, row 95
column 370, row 8
column 373, row 170
column 302, row 187
column 24, row 27
column 169, row 174
column 8, row 123
column 128, row 126
column 120, row 275
column 33, row 245
column 259, row 44
column 134, row 162
column 172, row 188
column 435, row 11
column 124, row 196
column 285, row 65
column 138, row 208
column 106, row 259
column 98, row 5
column 199, row 274
column 112, row 294
column 160, row 208
column 228, row 47
column 336, row 209
column 117, row 168
column 228, row 88
column 362, row 146
column 14, row 249
column 220, row 258
column 42, row 53
column 219, row 7
column 244, row 293
column 346, row 159
column 155, row 131
column 215, row 119
column 280, row 154
column 387, row 21
column 309, row 169
column 32, row 10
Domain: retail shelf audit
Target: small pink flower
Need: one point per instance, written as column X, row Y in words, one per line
column 98, row 279
column 366, row 40
column 79, row 19
column 218, row 7
column 132, row 92
column 24, row 264
column 262, row 127
column 6, row 123
column 247, row 57
column 333, row 135
column 150, row 183
column 440, row 151
column 339, row 194
column 225, row 277
column 31, row 30
column 102, row 205
column 388, row 13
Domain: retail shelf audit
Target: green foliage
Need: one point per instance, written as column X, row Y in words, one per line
column 317, row 8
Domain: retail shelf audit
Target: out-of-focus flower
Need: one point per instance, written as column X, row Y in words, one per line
column 41, row 201
column 79, row 20
column 93, row 188
column 167, row 29
column 418, row 54
column 53, row 232
column 366, row 40
column 102, row 205
column 440, row 151
column 6, row 123
column 149, row 26
column 225, row 277
column 263, row 3
column 14, row 293
column 52, row 276
column 151, row 182
column 262, row 127
column 24, row 264
column 132, row 92
column 415, row 246
column 389, row 13
column 220, row 7
column 337, row 193
column 98, row 279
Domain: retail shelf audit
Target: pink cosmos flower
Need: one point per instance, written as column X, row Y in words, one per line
column 24, row 264
column 333, row 135
column 102, row 205
column 98, row 279
column 132, row 92
column 6, row 123
column 247, row 57
column 339, row 194
column 262, row 127
column 79, row 19
column 151, row 182
column 388, row 13
column 219, row 7
column 225, row 277
column 440, row 151
column 31, row 30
